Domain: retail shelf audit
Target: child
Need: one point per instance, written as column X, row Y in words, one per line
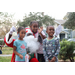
column 38, row 33
column 51, row 46
column 32, row 42
column 19, row 46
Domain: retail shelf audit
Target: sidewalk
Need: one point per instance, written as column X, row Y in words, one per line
column 5, row 55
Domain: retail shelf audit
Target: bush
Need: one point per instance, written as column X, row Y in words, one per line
column 67, row 50
column 1, row 42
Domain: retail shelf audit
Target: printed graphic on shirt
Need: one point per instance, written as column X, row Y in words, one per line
column 22, row 50
column 51, row 48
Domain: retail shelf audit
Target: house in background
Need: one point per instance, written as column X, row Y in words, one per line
column 65, row 33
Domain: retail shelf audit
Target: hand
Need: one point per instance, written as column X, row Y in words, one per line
column 40, row 30
column 13, row 29
column 21, row 56
column 29, row 56
column 2, row 45
column 49, row 60
column 53, row 59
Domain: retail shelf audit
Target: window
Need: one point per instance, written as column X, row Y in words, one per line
column 64, row 27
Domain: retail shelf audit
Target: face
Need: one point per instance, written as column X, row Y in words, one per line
column 34, row 27
column 50, row 31
column 22, row 34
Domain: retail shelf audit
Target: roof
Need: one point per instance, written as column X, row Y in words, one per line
column 63, row 31
column 60, row 21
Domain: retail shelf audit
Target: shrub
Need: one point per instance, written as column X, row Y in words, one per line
column 67, row 50
column 1, row 42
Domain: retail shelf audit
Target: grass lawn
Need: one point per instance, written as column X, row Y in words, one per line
column 7, row 50
column 5, row 59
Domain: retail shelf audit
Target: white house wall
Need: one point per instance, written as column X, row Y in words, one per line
column 73, row 33
column 66, row 35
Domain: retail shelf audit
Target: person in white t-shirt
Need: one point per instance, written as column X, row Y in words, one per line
column 38, row 33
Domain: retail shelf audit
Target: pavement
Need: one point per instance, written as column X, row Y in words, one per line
column 1, row 55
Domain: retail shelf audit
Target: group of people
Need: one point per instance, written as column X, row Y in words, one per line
column 45, row 49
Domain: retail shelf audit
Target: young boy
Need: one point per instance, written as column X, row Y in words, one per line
column 51, row 46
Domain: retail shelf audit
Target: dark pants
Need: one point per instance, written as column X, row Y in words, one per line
column 40, row 57
column 0, row 52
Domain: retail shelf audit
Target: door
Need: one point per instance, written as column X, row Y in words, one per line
column 62, row 36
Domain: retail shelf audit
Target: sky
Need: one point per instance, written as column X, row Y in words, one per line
column 19, row 15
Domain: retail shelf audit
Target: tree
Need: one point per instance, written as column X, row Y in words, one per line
column 39, row 16
column 70, row 20
column 6, row 21
column 66, row 16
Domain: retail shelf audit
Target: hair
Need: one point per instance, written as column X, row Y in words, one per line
column 20, row 28
column 49, row 26
column 34, row 22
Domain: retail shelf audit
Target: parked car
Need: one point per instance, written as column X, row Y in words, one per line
column 71, row 39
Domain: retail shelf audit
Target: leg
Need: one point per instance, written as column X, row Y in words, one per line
column 43, row 60
column 40, row 57
column 33, row 58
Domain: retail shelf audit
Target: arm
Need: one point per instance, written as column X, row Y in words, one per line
column 13, row 29
column 14, row 51
column 8, row 39
column 9, row 43
column 44, row 51
column 41, row 32
column 2, row 45
column 10, row 35
column 43, row 36
column 57, row 50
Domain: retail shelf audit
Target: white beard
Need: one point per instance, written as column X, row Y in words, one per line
column 32, row 43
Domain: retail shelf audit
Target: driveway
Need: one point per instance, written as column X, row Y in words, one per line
column 5, row 55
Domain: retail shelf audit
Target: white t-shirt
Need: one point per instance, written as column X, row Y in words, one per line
column 40, row 50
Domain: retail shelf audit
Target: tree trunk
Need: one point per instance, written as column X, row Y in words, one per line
column 42, row 13
column 72, row 60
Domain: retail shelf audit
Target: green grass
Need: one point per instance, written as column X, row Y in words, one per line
column 7, row 50
column 5, row 59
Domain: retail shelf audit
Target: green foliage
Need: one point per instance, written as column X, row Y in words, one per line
column 67, row 50
column 1, row 42
column 6, row 21
column 39, row 16
column 70, row 23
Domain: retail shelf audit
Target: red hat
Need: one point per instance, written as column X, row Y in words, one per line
column 28, row 30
